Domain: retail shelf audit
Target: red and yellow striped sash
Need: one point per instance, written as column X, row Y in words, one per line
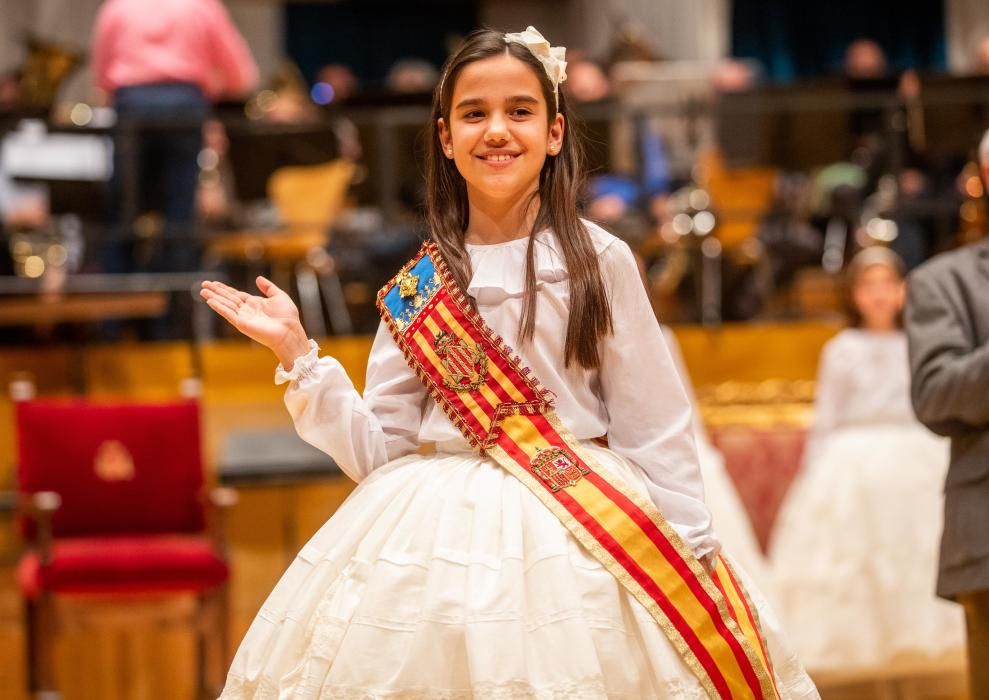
column 505, row 414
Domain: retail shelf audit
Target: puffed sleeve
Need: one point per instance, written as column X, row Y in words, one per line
column 359, row 433
column 649, row 415
column 830, row 394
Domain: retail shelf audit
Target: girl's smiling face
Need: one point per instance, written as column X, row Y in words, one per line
column 499, row 132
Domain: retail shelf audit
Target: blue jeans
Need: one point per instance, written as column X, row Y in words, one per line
column 156, row 149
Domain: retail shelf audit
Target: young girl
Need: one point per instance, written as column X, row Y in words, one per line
column 855, row 549
column 447, row 575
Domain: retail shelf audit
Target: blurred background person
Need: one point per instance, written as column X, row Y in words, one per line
column 855, row 545
column 586, row 80
column 9, row 90
column 411, row 76
column 865, row 60
column 981, row 62
column 341, row 79
column 161, row 67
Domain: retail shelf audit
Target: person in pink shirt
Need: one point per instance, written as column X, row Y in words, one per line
column 175, row 41
column 160, row 65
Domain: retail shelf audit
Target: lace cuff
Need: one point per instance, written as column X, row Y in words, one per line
column 304, row 366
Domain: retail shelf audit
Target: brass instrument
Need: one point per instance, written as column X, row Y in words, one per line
column 47, row 66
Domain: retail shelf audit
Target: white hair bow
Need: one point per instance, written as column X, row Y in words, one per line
column 552, row 57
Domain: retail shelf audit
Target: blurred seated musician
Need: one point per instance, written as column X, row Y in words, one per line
column 9, row 91
column 865, row 60
column 216, row 198
column 412, row 76
column 980, row 57
column 161, row 68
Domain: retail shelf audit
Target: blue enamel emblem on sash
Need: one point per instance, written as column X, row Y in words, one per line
column 411, row 292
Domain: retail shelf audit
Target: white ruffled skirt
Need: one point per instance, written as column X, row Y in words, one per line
column 855, row 551
column 443, row 577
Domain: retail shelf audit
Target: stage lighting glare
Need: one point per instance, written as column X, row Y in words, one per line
column 683, row 224
column 322, row 93
column 699, row 199
column 81, row 114
column 34, row 266
column 703, row 222
column 973, row 187
column 711, row 247
column 266, row 99
column 208, row 159
column 57, row 255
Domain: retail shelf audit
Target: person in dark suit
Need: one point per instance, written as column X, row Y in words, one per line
column 947, row 324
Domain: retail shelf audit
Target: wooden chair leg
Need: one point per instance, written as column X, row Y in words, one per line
column 202, row 654
column 41, row 638
column 212, row 640
column 31, row 644
column 201, row 624
column 222, row 635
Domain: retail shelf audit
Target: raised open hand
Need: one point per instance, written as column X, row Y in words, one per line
column 272, row 319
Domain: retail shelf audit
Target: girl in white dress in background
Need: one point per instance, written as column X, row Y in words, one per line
column 854, row 551
column 444, row 576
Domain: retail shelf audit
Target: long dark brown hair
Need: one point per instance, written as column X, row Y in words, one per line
column 560, row 183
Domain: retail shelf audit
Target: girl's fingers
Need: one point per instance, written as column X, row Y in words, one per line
column 208, row 294
column 226, row 303
column 211, row 296
column 267, row 287
column 214, row 285
column 226, row 291
column 224, row 309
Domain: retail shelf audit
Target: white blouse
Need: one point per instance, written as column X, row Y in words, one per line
column 863, row 378
column 636, row 398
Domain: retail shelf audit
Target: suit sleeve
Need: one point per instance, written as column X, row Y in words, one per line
column 950, row 387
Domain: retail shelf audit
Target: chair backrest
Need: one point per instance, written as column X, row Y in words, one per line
column 762, row 462
column 119, row 468
column 311, row 195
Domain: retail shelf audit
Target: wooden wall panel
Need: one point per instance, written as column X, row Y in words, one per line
column 753, row 352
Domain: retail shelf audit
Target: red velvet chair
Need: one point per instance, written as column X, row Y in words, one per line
column 114, row 495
